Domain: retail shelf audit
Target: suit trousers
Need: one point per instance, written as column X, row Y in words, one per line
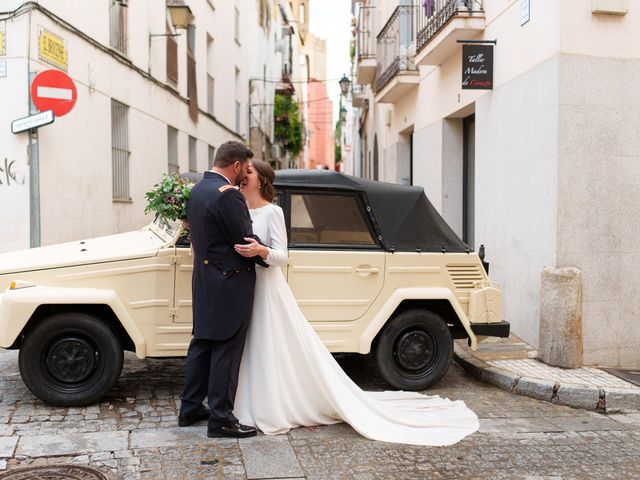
column 212, row 370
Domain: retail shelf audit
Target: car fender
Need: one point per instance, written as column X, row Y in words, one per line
column 396, row 298
column 17, row 306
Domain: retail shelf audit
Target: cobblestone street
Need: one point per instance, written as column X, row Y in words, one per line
column 133, row 434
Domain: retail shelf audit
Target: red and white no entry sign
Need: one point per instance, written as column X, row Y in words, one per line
column 54, row 90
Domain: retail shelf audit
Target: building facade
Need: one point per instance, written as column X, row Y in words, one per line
column 542, row 169
column 152, row 98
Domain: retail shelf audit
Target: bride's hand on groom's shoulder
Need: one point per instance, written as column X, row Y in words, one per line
column 251, row 249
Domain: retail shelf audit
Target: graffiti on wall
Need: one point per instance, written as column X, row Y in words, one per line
column 9, row 175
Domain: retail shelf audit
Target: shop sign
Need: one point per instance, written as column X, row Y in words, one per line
column 3, row 37
column 52, row 49
column 477, row 67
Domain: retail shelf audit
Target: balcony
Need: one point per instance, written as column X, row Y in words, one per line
column 358, row 96
column 365, row 46
column 442, row 23
column 396, row 71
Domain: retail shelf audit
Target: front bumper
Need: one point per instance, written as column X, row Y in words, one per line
column 498, row 329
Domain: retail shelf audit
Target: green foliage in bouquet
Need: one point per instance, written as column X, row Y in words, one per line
column 168, row 198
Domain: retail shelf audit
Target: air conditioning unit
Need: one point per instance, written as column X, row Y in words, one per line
column 275, row 151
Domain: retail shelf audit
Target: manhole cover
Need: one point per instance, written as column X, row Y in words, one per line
column 54, row 472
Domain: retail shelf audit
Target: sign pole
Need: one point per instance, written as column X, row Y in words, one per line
column 34, row 177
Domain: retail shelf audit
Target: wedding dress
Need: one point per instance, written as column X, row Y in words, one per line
column 289, row 379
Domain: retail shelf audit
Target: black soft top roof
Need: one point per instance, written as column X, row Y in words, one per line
column 404, row 215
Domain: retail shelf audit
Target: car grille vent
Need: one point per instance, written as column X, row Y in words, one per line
column 465, row 276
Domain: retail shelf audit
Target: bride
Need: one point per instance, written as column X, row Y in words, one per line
column 287, row 376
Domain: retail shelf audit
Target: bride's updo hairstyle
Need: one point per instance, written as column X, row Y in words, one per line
column 266, row 177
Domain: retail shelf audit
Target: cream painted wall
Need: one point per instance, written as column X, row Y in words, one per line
column 14, row 160
column 75, row 151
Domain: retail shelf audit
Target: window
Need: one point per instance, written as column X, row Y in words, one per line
column 210, row 81
column 118, row 25
column 172, row 150
column 238, row 100
column 193, row 154
column 120, row 150
column 328, row 220
column 192, row 87
column 237, row 116
column 211, row 156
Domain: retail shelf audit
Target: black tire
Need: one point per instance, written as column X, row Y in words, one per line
column 414, row 350
column 70, row 359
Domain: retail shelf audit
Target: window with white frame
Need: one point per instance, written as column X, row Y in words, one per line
column 237, row 25
column 118, row 25
column 120, row 151
column 210, row 80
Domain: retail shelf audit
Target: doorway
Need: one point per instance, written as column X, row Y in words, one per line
column 468, row 180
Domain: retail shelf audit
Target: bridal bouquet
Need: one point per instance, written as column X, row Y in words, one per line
column 168, row 198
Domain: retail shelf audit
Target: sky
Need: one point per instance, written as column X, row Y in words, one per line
column 331, row 20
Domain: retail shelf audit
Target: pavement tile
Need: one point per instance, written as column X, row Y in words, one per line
column 339, row 429
column 269, row 457
column 7, row 446
column 586, row 423
column 516, row 425
column 170, row 437
column 71, row 443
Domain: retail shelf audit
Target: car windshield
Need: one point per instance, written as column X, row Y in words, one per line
column 166, row 229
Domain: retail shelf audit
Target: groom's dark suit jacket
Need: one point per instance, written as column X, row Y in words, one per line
column 223, row 280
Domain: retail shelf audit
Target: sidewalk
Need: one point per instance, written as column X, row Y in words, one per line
column 510, row 364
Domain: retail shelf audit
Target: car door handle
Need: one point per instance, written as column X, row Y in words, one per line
column 366, row 270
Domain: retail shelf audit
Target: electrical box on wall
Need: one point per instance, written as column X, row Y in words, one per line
column 612, row 7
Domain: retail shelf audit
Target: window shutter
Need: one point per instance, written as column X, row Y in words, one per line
column 172, row 60
column 192, row 90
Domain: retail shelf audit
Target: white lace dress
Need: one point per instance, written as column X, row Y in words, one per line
column 289, row 379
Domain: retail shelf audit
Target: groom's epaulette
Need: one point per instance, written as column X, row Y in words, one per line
column 224, row 188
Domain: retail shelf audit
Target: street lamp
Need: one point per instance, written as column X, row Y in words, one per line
column 345, row 83
column 181, row 15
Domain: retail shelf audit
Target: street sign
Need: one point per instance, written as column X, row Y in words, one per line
column 32, row 121
column 54, row 90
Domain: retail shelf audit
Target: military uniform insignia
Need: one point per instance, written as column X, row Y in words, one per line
column 224, row 188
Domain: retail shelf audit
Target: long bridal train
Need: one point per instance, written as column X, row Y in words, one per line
column 289, row 379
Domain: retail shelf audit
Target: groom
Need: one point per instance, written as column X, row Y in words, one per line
column 223, row 283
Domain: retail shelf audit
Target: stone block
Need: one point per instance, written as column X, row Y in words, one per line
column 560, row 342
column 578, row 397
column 269, row 457
column 71, row 443
column 619, row 400
column 500, row 378
column 534, row 388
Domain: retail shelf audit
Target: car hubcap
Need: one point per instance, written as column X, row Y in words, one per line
column 71, row 360
column 414, row 350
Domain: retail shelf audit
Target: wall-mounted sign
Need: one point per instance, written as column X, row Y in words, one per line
column 52, row 49
column 525, row 11
column 3, row 37
column 477, row 67
column 32, row 121
column 54, row 90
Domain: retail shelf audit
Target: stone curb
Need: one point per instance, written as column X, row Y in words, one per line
column 607, row 399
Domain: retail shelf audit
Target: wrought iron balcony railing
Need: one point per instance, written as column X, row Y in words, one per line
column 396, row 45
column 436, row 14
column 364, row 32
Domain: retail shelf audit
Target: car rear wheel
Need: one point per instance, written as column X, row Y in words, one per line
column 70, row 359
column 414, row 350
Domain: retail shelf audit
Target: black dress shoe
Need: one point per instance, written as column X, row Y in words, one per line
column 235, row 430
column 198, row 415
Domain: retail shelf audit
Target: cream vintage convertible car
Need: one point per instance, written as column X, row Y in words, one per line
column 374, row 267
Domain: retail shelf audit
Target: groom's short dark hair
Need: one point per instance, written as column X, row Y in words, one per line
column 230, row 152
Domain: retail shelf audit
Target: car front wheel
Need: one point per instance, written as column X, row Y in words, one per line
column 70, row 359
column 414, row 350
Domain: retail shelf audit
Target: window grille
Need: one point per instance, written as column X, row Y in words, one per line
column 120, row 150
